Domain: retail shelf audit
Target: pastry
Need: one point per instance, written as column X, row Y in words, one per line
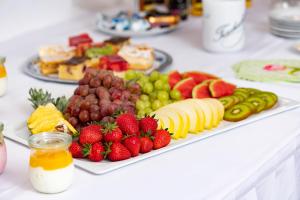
column 139, row 57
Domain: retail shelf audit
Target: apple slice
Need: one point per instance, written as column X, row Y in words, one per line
column 200, row 114
column 208, row 114
column 219, row 107
column 165, row 122
column 191, row 113
column 184, row 116
column 175, row 118
column 214, row 110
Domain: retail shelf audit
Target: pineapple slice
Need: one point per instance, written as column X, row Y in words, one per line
column 48, row 118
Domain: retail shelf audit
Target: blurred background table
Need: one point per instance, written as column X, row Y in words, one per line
column 257, row 161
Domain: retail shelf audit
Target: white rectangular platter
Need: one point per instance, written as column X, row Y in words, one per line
column 20, row 135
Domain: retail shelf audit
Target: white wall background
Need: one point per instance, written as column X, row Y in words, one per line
column 19, row 16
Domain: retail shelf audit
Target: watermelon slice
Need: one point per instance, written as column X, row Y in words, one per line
column 201, row 91
column 219, row 88
column 198, row 77
column 174, row 77
column 185, row 87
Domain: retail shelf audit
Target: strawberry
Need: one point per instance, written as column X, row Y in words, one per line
column 95, row 152
column 146, row 144
column 76, row 150
column 128, row 123
column 148, row 124
column 161, row 139
column 117, row 151
column 133, row 144
column 90, row 134
column 112, row 133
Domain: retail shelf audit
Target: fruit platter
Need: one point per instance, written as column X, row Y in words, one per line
column 118, row 121
column 68, row 63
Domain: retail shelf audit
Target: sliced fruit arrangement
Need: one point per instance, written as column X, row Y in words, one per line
column 190, row 116
column 124, row 138
column 245, row 102
column 109, row 117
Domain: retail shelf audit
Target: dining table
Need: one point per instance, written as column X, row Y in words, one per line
column 257, row 161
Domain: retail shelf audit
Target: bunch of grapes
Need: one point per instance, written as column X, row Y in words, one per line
column 156, row 91
column 99, row 95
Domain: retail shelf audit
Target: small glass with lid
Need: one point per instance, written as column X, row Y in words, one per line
column 51, row 164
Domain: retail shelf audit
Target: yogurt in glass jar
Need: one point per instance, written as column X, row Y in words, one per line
column 51, row 164
column 3, row 153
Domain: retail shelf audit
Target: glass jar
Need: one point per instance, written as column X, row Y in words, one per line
column 51, row 164
column 3, row 77
column 3, row 153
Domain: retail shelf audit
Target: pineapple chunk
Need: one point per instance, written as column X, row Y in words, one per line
column 48, row 118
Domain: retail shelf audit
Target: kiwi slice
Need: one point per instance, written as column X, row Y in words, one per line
column 250, row 105
column 227, row 101
column 253, row 91
column 237, row 113
column 244, row 94
column 240, row 97
column 258, row 102
column 244, row 90
column 269, row 97
column 236, row 99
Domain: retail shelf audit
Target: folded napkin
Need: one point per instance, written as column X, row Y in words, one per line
column 268, row 70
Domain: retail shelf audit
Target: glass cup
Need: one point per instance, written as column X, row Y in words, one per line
column 3, row 154
column 51, row 164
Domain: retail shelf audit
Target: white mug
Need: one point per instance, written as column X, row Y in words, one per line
column 223, row 29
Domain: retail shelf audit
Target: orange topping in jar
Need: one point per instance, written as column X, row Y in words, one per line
column 51, row 159
column 2, row 71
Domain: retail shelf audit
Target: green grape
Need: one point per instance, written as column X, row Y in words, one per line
column 166, row 102
column 141, row 83
column 148, row 88
column 141, row 113
column 130, row 75
column 156, row 104
column 154, row 76
column 144, row 97
column 148, row 111
column 162, row 95
column 139, row 74
column 153, row 95
column 175, row 94
column 144, row 79
column 166, row 87
column 159, row 84
column 140, row 105
column 147, row 104
column 164, row 77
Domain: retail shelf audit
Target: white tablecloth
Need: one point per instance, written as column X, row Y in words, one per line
column 257, row 161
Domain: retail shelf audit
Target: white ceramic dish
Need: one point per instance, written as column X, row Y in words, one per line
column 21, row 134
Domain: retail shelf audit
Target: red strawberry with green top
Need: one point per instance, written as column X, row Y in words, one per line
column 95, row 152
column 148, row 124
column 117, row 151
column 112, row 133
column 161, row 139
column 90, row 134
column 133, row 144
column 76, row 150
column 128, row 124
column 146, row 144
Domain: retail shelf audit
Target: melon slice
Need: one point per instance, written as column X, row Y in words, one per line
column 174, row 77
column 201, row 91
column 185, row 87
column 219, row 88
column 198, row 77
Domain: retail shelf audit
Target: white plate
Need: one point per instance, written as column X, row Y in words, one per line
column 103, row 167
column 162, row 60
